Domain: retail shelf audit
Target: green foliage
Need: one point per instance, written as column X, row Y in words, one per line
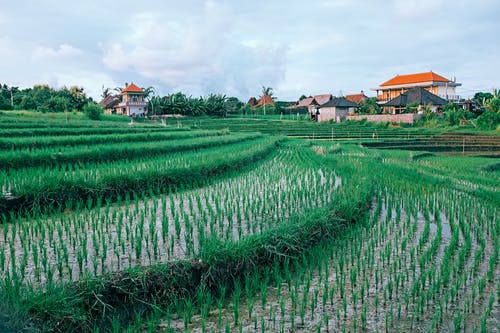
column 369, row 106
column 412, row 107
column 492, row 104
column 55, row 104
column 482, row 96
column 93, row 111
column 179, row 103
column 43, row 98
column 488, row 120
column 455, row 115
column 233, row 105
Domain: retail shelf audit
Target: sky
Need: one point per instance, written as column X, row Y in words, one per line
column 236, row 47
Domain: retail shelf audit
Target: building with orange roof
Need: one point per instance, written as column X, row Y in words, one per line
column 132, row 103
column 430, row 81
column 357, row 98
column 265, row 100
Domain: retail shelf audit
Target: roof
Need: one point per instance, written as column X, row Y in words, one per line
column 306, row 101
column 266, row 99
column 339, row 102
column 415, row 78
column 252, row 101
column 109, row 101
column 416, row 95
column 132, row 88
column 322, row 99
column 356, row 98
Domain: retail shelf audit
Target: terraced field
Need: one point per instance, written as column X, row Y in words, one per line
column 225, row 225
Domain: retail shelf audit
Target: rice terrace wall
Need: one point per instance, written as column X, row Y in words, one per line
column 407, row 118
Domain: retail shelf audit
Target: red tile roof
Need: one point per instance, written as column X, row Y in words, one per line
column 415, row 78
column 356, row 98
column 252, row 101
column 132, row 88
column 267, row 99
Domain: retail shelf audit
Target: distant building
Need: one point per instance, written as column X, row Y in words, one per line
column 109, row 103
column 132, row 103
column 265, row 100
column 336, row 109
column 357, row 98
column 312, row 101
column 416, row 95
column 430, row 81
column 252, row 101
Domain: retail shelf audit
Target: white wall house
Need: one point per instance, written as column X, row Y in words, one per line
column 336, row 109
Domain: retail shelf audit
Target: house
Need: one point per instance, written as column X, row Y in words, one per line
column 252, row 101
column 265, row 100
column 312, row 102
column 336, row 109
column 430, row 81
column 108, row 104
column 357, row 98
column 132, row 103
column 417, row 95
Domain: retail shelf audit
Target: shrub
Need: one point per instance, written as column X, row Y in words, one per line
column 54, row 104
column 93, row 111
column 488, row 120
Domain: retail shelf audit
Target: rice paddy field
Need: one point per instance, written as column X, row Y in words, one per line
column 246, row 225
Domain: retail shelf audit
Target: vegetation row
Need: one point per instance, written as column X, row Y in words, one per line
column 52, row 157
column 36, row 190
column 74, row 140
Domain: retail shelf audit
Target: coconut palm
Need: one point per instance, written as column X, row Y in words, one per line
column 106, row 92
column 267, row 91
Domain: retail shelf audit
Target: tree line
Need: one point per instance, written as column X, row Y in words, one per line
column 43, row 98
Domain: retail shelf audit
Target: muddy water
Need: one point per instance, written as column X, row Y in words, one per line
column 170, row 227
column 388, row 302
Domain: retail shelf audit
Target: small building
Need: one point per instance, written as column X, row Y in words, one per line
column 252, row 102
column 357, row 98
column 418, row 96
column 265, row 100
column 109, row 103
column 312, row 102
column 132, row 103
column 430, row 81
column 336, row 109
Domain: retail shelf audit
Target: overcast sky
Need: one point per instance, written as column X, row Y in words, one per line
column 235, row 47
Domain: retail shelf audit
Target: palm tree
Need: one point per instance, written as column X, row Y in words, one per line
column 106, row 92
column 266, row 91
column 149, row 92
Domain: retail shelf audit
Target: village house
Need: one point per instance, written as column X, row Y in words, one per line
column 337, row 109
column 312, row 101
column 265, row 100
column 430, row 81
column 108, row 104
column 252, row 101
column 418, row 96
column 357, row 98
column 132, row 103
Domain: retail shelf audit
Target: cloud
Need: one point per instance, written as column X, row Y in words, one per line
column 196, row 54
column 64, row 51
column 416, row 8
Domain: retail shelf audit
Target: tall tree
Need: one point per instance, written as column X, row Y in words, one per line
column 106, row 92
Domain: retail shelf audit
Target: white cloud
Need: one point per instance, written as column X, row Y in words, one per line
column 196, row 54
column 416, row 8
column 64, row 51
column 91, row 81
